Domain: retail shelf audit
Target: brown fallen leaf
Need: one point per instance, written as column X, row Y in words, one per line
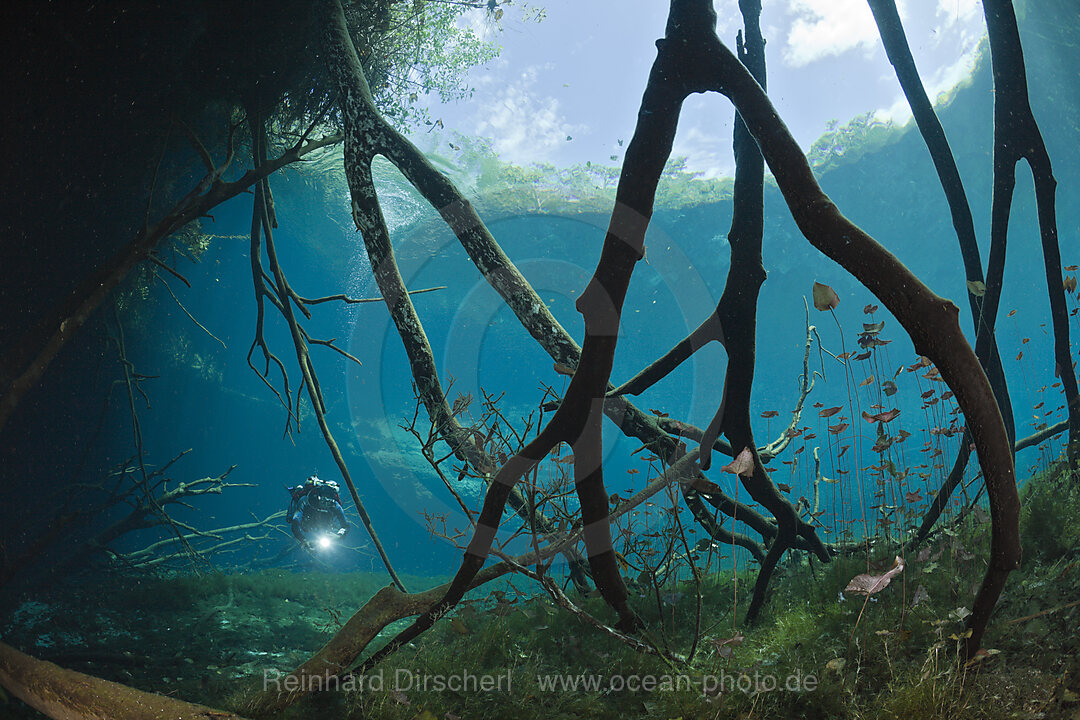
column 868, row 584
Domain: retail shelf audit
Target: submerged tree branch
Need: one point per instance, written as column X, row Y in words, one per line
column 262, row 220
column 1017, row 137
column 26, row 361
column 931, row 321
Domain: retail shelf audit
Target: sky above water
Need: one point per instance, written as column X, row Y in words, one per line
column 566, row 90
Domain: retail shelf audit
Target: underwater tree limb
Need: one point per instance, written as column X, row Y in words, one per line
column 350, row 300
column 380, row 137
column 69, row 695
column 148, row 554
column 944, row 493
column 577, row 418
column 720, row 534
column 708, row 331
column 1017, row 137
column 931, row 321
column 390, row 604
column 895, row 41
column 262, row 219
column 737, row 313
column 500, row 272
column 26, row 361
column 956, row 474
column 495, row 266
column 899, row 53
column 723, row 502
column 1038, row 437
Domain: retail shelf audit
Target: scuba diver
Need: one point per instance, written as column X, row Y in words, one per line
column 315, row 513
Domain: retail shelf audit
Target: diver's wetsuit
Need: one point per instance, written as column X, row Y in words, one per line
column 311, row 515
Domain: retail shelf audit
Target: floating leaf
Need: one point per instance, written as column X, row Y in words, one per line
column 1070, row 283
column 870, row 309
column 886, row 416
column 976, row 287
column 837, row 429
column 769, row 414
column 829, row 412
column 889, row 387
column 912, row 497
column 825, row 298
column 867, row 584
column 867, row 381
column 743, row 464
column 1011, row 313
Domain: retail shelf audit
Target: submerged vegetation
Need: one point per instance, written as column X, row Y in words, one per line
column 847, row 563
column 817, row 653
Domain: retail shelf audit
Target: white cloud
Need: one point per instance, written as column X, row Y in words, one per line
column 524, row 126
column 956, row 10
column 821, row 28
column 709, row 152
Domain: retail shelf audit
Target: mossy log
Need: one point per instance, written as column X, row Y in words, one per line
column 69, row 695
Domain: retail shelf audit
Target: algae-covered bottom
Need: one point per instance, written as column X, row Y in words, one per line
column 506, row 652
